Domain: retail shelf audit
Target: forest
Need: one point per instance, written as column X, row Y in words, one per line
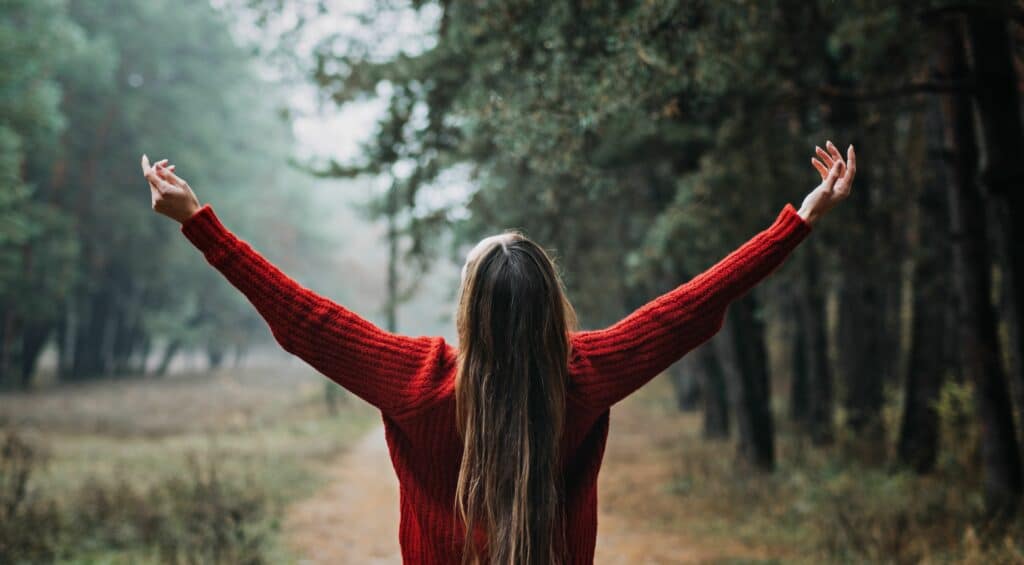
column 864, row 404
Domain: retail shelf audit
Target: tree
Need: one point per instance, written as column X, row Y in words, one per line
column 972, row 266
column 37, row 245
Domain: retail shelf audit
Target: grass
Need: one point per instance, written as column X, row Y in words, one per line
column 198, row 469
column 195, row 468
column 819, row 506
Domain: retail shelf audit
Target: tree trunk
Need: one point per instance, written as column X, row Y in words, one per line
column 998, row 107
column 799, row 388
column 712, row 385
column 32, row 341
column 215, row 357
column 863, row 358
column 814, row 358
column 90, row 334
column 686, row 379
column 972, row 267
column 918, row 442
column 744, row 358
column 165, row 362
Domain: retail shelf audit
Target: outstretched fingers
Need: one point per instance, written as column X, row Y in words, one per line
column 833, row 151
column 167, row 173
column 825, row 157
column 821, row 168
column 834, row 174
column 845, row 183
column 158, row 185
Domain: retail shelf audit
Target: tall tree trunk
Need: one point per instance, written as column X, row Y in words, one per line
column 7, row 337
column 165, row 361
column 799, row 388
column 686, row 378
column 998, row 107
column 814, row 358
column 215, row 356
column 744, row 358
column 713, row 388
column 972, row 264
column 142, row 360
column 918, row 442
column 864, row 358
column 65, row 340
column 33, row 339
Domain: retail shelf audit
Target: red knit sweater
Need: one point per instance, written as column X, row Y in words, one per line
column 411, row 379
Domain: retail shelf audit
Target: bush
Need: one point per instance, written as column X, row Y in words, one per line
column 201, row 517
column 959, row 432
column 27, row 531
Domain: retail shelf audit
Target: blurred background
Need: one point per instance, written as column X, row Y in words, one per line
column 864, row 404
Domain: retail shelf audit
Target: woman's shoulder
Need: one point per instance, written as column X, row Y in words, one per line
column 433, row 382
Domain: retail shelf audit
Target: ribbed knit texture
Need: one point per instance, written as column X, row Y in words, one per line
column 411, row 379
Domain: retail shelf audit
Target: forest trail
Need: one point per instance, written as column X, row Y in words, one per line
column 354, row 518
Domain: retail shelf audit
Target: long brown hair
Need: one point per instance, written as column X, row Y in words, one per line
column 514, row 322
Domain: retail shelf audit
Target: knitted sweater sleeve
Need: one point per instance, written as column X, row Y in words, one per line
column 610, row 364
column 395, row 373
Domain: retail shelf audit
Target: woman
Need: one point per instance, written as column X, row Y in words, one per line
column 501, row 440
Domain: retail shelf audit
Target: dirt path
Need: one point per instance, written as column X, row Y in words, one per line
column 354, row 519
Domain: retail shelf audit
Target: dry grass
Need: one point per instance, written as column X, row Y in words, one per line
column 819, row 506
column 190, row 469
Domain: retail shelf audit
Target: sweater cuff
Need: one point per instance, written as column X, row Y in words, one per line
column 790, row 222
column 205, row 231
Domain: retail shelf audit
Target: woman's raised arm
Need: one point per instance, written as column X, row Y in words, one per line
column 610, row 364
column 395, row 373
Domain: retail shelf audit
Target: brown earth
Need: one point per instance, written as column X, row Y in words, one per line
column 354, row 519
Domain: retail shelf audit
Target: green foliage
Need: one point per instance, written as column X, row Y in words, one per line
column 640, row 140
column 36, row 244
column 87, row 88
column 958, row 429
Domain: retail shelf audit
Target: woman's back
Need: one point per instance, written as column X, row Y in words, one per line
column 426, row 451
column 412, row 379
column 505, row 436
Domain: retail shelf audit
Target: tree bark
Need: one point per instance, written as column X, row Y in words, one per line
column 712, row 384
column 972, row 267
column 686, row 378
column 998, row 107
column 918, row 442
column 744, row 358
column 799, row 392
column 820, row 401
column 864, row 359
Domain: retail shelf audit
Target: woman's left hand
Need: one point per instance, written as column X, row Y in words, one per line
column 172, row 196
column 836, row 181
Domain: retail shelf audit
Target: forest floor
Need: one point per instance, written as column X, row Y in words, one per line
column 354, row 518
column 118, row 454
column 304, row 486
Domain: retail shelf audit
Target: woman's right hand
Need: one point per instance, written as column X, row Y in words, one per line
column 836, row 181
column 172, row 196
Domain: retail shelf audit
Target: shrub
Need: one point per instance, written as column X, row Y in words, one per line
column 199, row 517
column 27, row 522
